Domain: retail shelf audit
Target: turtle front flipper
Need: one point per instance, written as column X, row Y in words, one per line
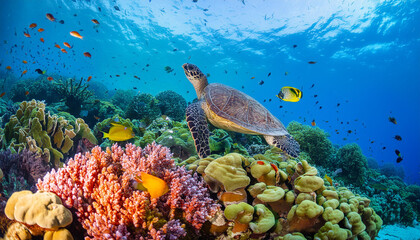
column 197, row 123
column 286, row 143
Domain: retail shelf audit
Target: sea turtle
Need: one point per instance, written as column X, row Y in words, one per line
column 232, row 110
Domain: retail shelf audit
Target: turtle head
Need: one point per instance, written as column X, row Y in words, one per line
column 196, row 77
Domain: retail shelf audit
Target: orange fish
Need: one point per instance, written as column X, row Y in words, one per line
column 63, row 50
column 95, row 21
column 76, row 34
column 57, row 46
column 40, row 30
column 136, row 77
column 87, row 54
column 33, row 25
column 90, row 77
column 8, row 67
column 96, row 117
column 27, row 35
column 26, row 93
column 252, row 77
column 25, row 62
column 50, row 17
column 117, row 75
column 260, row 162
column 2, row 94
column 24, row 72
column 313, row 123
column 50, row 78
column 42, row 40
column 274, row 167
column 152, row 184
column 66, row 44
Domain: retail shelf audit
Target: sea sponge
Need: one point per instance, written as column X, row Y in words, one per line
column 228, row 171
column 241, row 214
column 292, row 236
column 332, row 231
column 44, row 209
column 265, row 219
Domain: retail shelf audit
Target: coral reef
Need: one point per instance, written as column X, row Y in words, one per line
column 21, row 170
column 50, row 136
column 74, row 94
column 122, row 98
column 143, row 106
column 40, row 89
column 353, row 163
column 271, row 196
column 98, row 187
column 38, row 213
column 172, row 105
column 313, row 141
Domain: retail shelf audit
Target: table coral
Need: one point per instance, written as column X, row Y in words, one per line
column 98, row 187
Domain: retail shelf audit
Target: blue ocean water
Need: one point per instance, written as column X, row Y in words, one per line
column 367, row 56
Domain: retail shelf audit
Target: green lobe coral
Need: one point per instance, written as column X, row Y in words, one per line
column 48, row 135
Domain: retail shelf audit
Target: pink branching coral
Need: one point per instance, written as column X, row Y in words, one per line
column 98, row 187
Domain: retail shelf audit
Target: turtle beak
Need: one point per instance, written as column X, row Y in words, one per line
column 188, row 68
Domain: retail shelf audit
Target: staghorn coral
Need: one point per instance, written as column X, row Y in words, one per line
column 98, row 187
column 172, row 104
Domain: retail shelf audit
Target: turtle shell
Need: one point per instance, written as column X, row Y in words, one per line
column 241, row 109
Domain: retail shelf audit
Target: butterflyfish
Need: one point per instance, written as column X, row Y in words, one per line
column 290, row 94
column 155, row 186
column 119, row 133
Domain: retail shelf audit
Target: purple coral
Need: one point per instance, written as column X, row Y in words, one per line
column 97, row 186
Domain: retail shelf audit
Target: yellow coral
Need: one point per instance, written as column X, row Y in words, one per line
column 44, row 209
column 228, row 171
column 60, row 234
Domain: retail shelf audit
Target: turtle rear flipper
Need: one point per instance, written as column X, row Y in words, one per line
column 286, row 143
column 197, row 123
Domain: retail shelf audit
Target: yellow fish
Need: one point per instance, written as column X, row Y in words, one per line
column 328, row 179
column 154, row 185
column 119, row 133
column 290, row 94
